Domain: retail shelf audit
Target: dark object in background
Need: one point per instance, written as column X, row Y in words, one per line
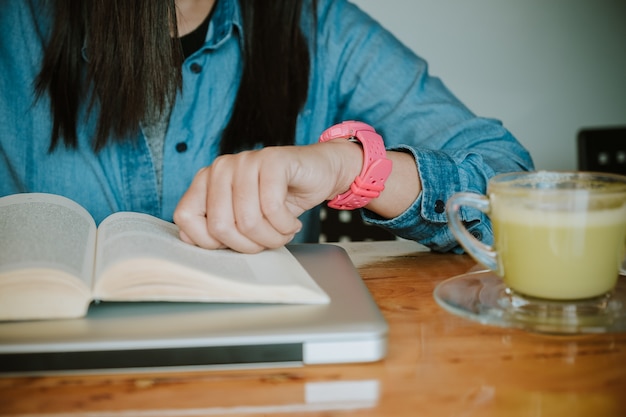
column 348, row 226
column 602, row 149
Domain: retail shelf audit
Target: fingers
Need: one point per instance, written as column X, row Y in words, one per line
column 233, row 214
column 239, row 202
column 190, row 214
column 275, row 193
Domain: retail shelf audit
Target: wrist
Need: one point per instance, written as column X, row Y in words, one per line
column 348, row 163
column 375, row 166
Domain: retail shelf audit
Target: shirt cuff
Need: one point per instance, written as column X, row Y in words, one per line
column 425, row 221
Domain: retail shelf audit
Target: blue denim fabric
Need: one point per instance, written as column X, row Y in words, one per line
column 359, row 72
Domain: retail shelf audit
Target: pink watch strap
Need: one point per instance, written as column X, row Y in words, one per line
column 376, row 167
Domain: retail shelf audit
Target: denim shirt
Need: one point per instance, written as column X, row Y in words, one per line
column 359, row 72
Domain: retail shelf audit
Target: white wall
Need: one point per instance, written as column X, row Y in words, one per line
column 544, row 67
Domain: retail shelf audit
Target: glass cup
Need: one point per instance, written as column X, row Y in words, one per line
column 559, row 244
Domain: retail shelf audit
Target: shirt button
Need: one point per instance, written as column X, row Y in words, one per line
column 477, row 235
column 195, row 68
column 181, row 147
column 440, row 206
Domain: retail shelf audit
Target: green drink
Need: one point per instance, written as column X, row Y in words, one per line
column 559, row 254
column 557, row 235
column 559, row 241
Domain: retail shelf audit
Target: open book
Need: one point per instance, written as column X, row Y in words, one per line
column 54, row 262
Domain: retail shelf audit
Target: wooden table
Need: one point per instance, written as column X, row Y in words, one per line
column 438, row 364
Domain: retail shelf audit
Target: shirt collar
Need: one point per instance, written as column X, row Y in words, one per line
column 226, row 18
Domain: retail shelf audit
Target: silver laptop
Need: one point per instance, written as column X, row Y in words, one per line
column 149, row 336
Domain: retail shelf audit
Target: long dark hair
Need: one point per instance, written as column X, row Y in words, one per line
column 121, row 54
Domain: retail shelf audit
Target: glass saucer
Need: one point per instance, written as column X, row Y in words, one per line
column 483, row 297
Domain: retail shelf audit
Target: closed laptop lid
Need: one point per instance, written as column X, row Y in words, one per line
column 144, row 336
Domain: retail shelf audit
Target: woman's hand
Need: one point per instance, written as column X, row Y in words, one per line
column 251, row 201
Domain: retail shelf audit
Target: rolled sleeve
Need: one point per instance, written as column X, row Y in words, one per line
column 443, row 174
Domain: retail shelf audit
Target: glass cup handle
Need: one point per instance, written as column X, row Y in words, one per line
column 481, row 252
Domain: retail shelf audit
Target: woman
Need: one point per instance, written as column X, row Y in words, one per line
column 154, row 106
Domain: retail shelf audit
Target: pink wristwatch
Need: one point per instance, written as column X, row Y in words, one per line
column 376, row 166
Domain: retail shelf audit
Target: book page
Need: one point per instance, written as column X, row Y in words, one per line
column 162, row 265
column 47, row 249
column 46, row 231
